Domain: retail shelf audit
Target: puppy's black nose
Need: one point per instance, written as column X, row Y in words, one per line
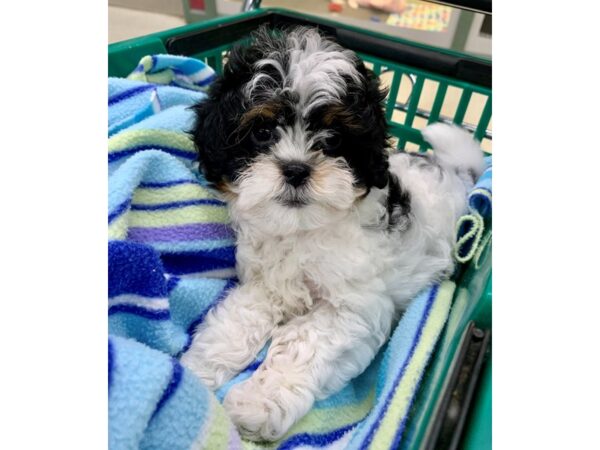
column 295, row 173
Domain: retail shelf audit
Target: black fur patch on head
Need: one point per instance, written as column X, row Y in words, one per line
column 227, row 123
column 222, row 131
column 217, row 119
column 360, row 129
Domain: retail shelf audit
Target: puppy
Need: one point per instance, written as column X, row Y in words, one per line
column 334, row 236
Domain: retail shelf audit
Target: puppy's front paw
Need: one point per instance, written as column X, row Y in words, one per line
column 206, row 366
column 263, row 411
column 206, row 374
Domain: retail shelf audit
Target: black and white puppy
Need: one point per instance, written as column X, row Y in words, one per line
column 334, row 236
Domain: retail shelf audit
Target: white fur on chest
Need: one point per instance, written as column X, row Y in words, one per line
column 337, row 262
column 301, row 269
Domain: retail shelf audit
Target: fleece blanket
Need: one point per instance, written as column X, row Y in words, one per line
column 474, row 232
column 171, row 259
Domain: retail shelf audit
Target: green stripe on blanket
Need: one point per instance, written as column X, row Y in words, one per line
column 170, row 194
column 150, row 138
column 404, row 392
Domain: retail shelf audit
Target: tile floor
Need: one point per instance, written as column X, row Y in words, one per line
column 124, row 23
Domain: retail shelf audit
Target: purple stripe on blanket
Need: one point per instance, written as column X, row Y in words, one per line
column 235, row 442
column 181, row 232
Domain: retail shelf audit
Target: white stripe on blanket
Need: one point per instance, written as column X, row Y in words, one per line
column 138, row 300
column 217, row 273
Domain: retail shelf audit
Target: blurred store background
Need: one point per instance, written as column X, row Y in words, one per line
column 430, row 23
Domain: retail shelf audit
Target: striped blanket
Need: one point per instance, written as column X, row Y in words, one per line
column 171, row 258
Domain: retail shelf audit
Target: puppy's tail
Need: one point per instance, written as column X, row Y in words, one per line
column 455, row 149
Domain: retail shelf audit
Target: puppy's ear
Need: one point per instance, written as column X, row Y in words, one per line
column 240, row 64
column 217, row 117
column 210, row 132
column 372, row 113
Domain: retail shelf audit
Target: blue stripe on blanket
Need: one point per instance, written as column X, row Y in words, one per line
column 161, row 206
column 466, row 245
column 316, row 440
column 152, row 166
column 172, row 284
column 115, row 156
column 172, row 386
column 192, row 246
column 152, row 107
column 140, row 376
column 190, row 72
column 118, row 211
column 192, row 326
column 163, row 335
column 201, row 261
column 367, row 440
column 129, row 93
column 480, row 198
column 480, row 202
column 134, row 269
column 110, row 363
column 228, row 285
column 167, row 183
column 206, row 81
column 402, row 424
column 253, row 366
column 183, row 419
column 189, row 298
column 244, row 374
column 153, row 314
column 190, row 67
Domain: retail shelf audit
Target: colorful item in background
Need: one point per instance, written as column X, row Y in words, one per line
column 197, row 5
column 424, row 16
column 391, row 6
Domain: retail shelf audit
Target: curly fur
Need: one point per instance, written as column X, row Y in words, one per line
column 325, row 265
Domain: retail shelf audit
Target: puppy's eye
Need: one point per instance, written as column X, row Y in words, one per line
column 333, row 142
column 262, row 135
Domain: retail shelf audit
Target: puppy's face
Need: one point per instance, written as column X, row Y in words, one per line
column 293, row 131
